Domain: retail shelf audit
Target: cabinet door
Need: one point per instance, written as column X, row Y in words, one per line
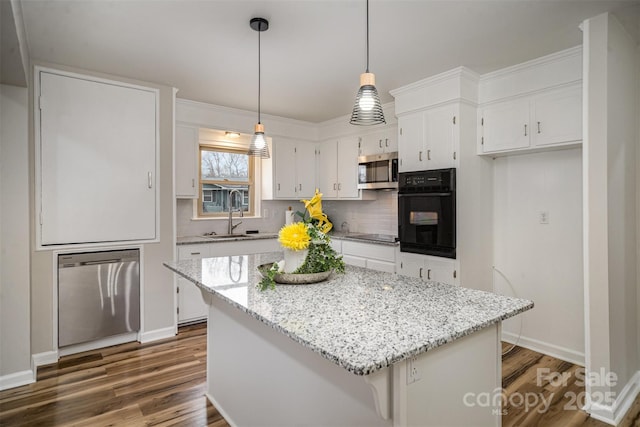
column 410, row 142
column 505, row 126
column 97, row 160
column 191, row 305
column 328, row 169
column 347, row 161
column 439, row 137
column 557, row 117
column 284, row 154
column 409, row 267
column 390, row 143
column 440, row 270
column 369, row 144
column 305, row 170
column 186, row 158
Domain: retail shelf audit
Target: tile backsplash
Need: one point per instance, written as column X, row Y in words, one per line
column 374, row 216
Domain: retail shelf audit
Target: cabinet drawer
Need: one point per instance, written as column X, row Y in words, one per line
column 354, row 260
column 193, row 251
column 371, row 251
column 389, row 267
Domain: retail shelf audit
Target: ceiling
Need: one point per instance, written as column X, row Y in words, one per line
column 314, row 50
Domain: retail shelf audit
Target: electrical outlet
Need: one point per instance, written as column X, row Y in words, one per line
column 413, row 374
column 544, row 217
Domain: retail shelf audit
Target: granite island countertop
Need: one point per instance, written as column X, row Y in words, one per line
column 363, row 320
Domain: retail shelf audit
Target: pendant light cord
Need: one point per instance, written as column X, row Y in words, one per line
column 367, row 36
column 259, row 70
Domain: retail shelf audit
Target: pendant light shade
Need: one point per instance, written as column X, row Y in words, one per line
column 367, row 109
column 259, row 146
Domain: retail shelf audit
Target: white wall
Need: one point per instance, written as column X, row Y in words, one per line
column 611, row 279
column 378, row 216
column 15, row 347
column 543, row 262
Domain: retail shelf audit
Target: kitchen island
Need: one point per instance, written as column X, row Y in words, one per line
column 364, row 348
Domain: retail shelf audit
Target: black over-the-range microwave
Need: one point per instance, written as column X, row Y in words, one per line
column 378, row 171
column 427, row 212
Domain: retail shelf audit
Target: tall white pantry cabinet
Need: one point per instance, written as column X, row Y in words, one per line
column 96, row 159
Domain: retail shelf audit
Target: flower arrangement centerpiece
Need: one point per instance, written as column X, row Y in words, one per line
column 306, row 245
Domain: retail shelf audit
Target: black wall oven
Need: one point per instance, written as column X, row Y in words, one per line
column 427, row 212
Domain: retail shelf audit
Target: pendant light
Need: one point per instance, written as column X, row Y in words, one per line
column 367, row 109
column 259, row 146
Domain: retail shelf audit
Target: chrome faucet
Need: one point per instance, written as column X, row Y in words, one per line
column 230, row 203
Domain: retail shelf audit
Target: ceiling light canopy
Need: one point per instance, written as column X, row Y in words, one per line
column 259, row 146
column 367, row 109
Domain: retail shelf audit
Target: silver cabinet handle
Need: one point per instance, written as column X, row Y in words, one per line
column 193, row 183
column 420, row 155
column 429, row 274
column 386, row 142
column 195, row 253
column 380, row 143
column 150, row 179
column 420, row 272
column 300, row 186
column 525, row 130
column 538, row 127
column 334, row 186
column 278, row 186
column 428, row 154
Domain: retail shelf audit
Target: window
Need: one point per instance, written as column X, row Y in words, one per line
column 223, row 170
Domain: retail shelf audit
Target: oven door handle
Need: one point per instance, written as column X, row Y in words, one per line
column 424, row 194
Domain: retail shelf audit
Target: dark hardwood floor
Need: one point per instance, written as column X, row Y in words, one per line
column 163, row 384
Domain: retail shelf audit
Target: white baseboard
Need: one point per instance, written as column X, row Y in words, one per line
column 613, row 414
column 556, row 351
column 220, row 410
column 17, row 379
column 158, row 334
column 45, row 358
column 101, row 343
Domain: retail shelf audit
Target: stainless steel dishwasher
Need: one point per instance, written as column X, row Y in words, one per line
column 98, row 295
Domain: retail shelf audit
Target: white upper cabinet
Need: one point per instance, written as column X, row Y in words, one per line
column 410, row 142
column 505, row 126
column 384, row 141
column 293, row 165
column 338, row 168
column 186, row 162
column 551, row 118
column 427, row 139
column 96, row 159
column 557, row 117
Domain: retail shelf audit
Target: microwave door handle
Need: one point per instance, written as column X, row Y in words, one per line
column 425, row 194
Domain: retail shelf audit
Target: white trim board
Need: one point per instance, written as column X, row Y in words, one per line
column 613, row 414
column 17, row 379
column 558, row 352
column 157, row 334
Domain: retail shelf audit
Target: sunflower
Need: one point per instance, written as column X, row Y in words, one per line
column 294, row 236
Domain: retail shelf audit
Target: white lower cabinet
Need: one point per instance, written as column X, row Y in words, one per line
column 369, row 255
column 427, row 268
column 191, row 306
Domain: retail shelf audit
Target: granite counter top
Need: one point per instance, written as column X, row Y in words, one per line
column 193, row 240
column 364, row 320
